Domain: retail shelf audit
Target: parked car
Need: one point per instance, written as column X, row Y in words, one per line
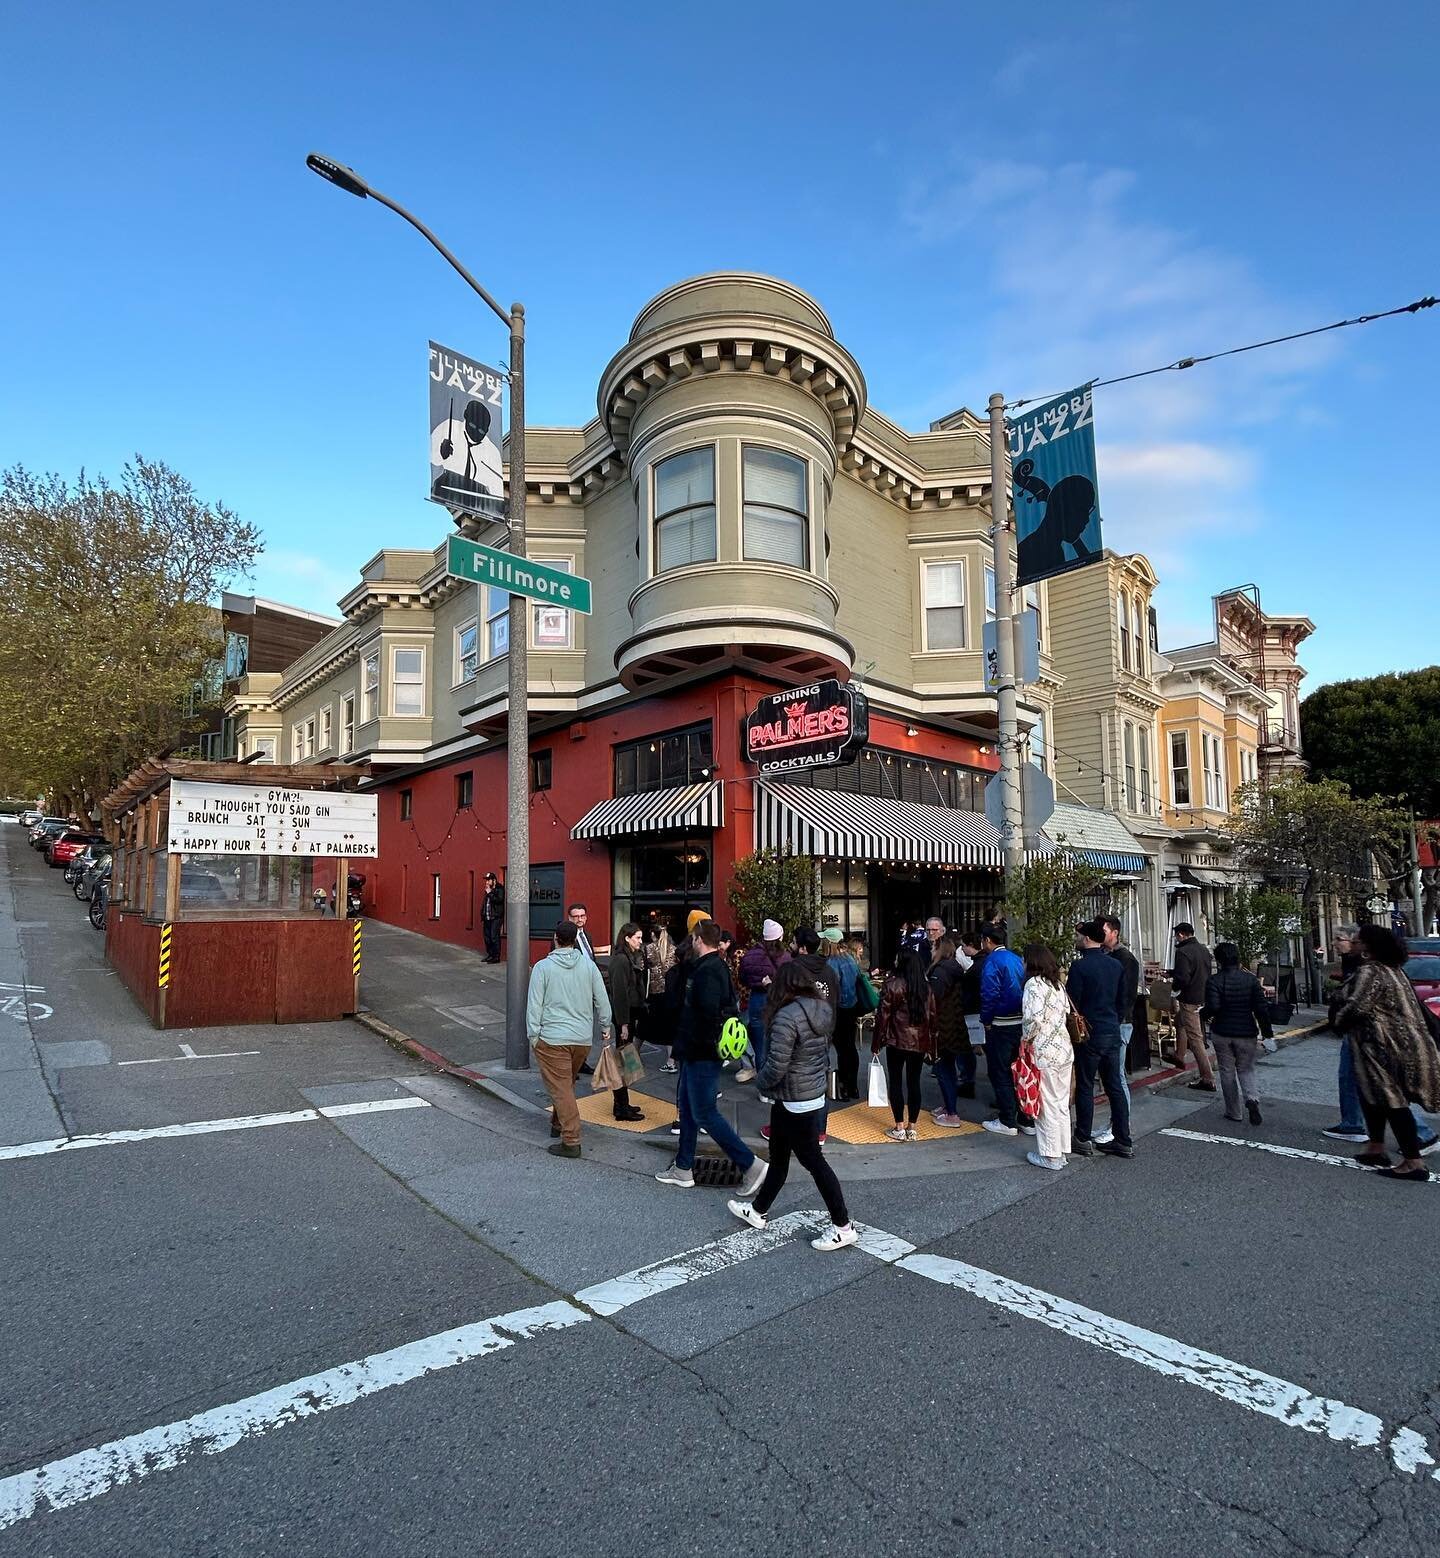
column 28, row 819
column 1424, row 974
column 100, row 899
column 80, row 863
column 63, row 848
column 94, row 875
column 1423, row 946
column 200, row 886
column 48, row 828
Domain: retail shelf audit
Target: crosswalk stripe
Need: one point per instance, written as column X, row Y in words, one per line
column 1331, row 1159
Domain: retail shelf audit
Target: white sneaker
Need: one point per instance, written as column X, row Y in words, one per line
column 745, row 1074
column 746, row 1213
column 754, row 1178
column 999, row 1127
column 1101, row 1137
column 1046, row 1163
column 1027, row 1130
column 836, row 1239
column 1430, row 1146
column 685, row 1178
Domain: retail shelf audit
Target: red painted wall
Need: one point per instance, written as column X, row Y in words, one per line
column 439, row 838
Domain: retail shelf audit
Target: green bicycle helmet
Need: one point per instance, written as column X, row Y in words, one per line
column 733, row 1040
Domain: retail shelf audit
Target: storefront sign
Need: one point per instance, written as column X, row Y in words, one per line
column 261, row 819
column 466, row 404
column 1052, row 471
column 807, row 727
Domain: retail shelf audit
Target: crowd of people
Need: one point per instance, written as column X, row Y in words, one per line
column 791, row 1014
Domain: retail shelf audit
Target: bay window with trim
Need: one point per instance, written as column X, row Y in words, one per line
column 776, row 498
column 684, row 488
column 1142, row 733
column 943, row 590
column 1207, row 774
column 1179, row 768
column 347, row 722
column 1122, row 622
column 497, row 622
column 991, row 595
column 370, row 688
column 1032, row 603
column 552, row 626
column 1039, row 752
column 407, row 683
column 1129, row 742
column 327, row 727
column 467, row 644
column 1136, row 638
column 297, row 743
column 310, row 737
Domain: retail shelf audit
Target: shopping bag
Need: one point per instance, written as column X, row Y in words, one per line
column 867, row 997
column 1027, row 1080
column 608, row 1075
column 632, row 1068
column 879, row 1087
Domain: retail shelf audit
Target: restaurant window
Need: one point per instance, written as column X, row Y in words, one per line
column 900, row 778
column 662, row 881
column 407, row 799
column 547, row 900
column 466, row 646
column 845, row 891
column 685, row 509
column 1179, row 768
column 464, row 791
column 347, row 723
column 497, row 622
column 944, row 591
column 777, row 510
column 407, row 670
column 370, row 688
column 541, row 770
column 673, row 758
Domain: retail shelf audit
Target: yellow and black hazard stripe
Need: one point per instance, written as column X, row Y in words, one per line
column 164, row 956
column 357, row 949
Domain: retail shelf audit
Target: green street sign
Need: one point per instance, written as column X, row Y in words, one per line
column 520, row 575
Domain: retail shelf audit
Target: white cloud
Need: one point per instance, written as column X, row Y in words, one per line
column 304, row 580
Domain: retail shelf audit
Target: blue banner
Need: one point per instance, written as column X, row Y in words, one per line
column 1052, row 474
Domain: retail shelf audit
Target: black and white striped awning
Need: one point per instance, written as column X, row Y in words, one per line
column 654, row 811
column 871, row 827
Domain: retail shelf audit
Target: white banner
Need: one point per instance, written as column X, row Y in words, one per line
column 262, row 819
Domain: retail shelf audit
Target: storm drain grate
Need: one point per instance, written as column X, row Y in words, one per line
column 718, row 1173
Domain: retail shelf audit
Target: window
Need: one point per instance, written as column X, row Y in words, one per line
column 1032, row 603
column 674, row 757
column 845, row 891
column 1038, row 754
column 1179, row 768
column 297, row 743
column 540, row 770
column 370, row 688
column 327, row 726
column 1122, row 618
column 1154, row 632
column 1143, row 735
column 777, row 508
column 1135, row 637
column 265, row 747
column 1129, row 741
column 407, row 674
column 237, row 655
column 407, row 799
column 347, row 723
column 1210, row 770
column 547, row 900
column 900, row 777
column 990, row 596
column 550, row 624
column 497, row 622
column 685, row 509
column 310, row 737
column 1221, row 801
column 944, row 587
column 435, row 896
column 466, row 646
column 464, row 791
column 663, row 881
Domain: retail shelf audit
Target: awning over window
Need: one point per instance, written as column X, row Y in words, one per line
column 1098, row 837
column 655, row 811
column 870, row 827
column 1196, row 876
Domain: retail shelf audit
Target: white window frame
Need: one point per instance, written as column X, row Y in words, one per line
column 1146, row 788
column 1135, row 637
column 396, row 650
column 1177, row 768
column 1031, row 602
column 347, row 722
column 297, row 742
column 1039, row 748
column 310, row 737
column 566, row 565
column 1217, row 757
column 1122, row 618
column 801, row 516
column 265, row 746
column 992, row 594
column 327, row 727
column 1127, row 741
column 370, row 687
column 962, row 606
column 458, row 658
column 434, row 895
column 495, row 618
column 657, row 519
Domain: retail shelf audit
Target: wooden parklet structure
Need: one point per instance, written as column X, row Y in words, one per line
column 208, row 940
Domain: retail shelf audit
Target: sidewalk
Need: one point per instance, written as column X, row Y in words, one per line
column 446, row 1006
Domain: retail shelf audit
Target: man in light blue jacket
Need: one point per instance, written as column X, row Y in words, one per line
column 567, row 999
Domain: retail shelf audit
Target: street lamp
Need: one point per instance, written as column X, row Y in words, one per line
column 517, row 836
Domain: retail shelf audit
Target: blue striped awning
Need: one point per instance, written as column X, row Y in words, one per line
column 654, row 811
column 870, row 827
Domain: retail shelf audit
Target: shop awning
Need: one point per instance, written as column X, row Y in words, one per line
column 1197, row 876
column 870, row 827
column 1098, row 837
column 654, row 811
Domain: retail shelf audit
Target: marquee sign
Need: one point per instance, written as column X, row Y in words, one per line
column 807, row 727
column 269, row 819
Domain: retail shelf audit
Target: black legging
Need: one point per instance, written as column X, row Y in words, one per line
column 904, row 1066
column 847, row 1055
column 800, row 1134
column 1401, row 1121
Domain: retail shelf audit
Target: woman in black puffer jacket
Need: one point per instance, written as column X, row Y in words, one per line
column 1236, row 1008
column 799, row 1021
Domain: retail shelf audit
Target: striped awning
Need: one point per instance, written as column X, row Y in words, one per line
column 870, row 827
column 654, row 811
column 1098, row 837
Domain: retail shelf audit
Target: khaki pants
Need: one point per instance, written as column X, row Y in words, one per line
column 559, row 1066
column 1189, row 1035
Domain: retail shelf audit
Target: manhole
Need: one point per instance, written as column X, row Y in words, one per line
column 717, row 1172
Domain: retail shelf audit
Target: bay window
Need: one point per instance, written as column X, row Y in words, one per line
column 407, row 679
column 685, row 509
column 944, row 594
column 775, row 489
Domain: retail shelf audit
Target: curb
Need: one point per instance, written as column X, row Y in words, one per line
column 437, row 1062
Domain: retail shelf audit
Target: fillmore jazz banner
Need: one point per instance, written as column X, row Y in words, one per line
column 1052, row 473
column 466, row 403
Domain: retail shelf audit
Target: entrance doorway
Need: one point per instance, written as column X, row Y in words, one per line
column 900, row 898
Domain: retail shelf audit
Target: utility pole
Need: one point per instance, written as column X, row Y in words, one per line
column 1012, row 831
column 517, row 821
column 1417, row 883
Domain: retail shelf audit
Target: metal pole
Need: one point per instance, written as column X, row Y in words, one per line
column 1012, row 831
column 1417, row 884
column 517, row 721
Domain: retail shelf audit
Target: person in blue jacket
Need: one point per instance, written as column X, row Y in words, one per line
column 1002, row 999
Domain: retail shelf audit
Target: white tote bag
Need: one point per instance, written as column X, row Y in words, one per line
column 879, row 1086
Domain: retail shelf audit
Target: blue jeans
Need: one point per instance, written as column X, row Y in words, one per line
column 1002, row 1045
column 1102, row 1056
column 952, row 1072
column 1126, row 1030
column 1351, row 1114
column 755, row 1022
column 699, row 1081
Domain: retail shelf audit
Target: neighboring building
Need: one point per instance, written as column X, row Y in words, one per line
column 750, row 524
column 1265, row 648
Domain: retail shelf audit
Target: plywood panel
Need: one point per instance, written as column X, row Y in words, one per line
column 222, row 972
column 314, row 979
column 132, row 946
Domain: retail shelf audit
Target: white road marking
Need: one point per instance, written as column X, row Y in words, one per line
column 23, row 1010
column 1276, row 1398
column 6, row 984
column 186, row 1053
column 76, row 1478
column 251, row 1122
column 1330, row 1158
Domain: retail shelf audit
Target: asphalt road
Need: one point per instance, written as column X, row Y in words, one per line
column 395, row 1329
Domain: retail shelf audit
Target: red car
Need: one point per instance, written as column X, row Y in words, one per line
column 64, row 848
column 1423, row 972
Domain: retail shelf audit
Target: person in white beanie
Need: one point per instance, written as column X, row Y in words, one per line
column 758, row 968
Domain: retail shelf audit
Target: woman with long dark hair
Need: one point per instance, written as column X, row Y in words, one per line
column 952, row 1038
column 1395, row 1059
column 905, row 1029
column 1043, row 1028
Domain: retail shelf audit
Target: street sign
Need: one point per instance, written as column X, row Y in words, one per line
column 466, row 403
column 1027, row 650
column 544, row 582
column 1037, row 798
column 269, row 819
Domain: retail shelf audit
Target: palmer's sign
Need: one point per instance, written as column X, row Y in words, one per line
column 807, row 727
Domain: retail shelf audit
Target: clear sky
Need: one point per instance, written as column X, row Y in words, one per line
column 1068, row 193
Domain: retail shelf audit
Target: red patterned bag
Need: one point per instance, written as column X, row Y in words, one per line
column 1027, row 1080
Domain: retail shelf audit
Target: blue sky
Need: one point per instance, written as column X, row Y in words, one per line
column 1074, row 192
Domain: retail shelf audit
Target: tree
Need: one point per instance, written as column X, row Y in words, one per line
column 1256, row 920
column 1379, row 735
column 106, row 621
column 771, row 885
column 1050, row 895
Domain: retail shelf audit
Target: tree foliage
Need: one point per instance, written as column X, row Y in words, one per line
column 1380, row 736
column 771, row 885
column 106, row 621
column 1255, row 920
column 1049, row 896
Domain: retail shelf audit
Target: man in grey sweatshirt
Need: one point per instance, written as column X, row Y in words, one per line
column 567, row 998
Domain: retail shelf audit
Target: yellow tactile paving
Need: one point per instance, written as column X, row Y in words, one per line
column 860, row 1126
column 598, row 1109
